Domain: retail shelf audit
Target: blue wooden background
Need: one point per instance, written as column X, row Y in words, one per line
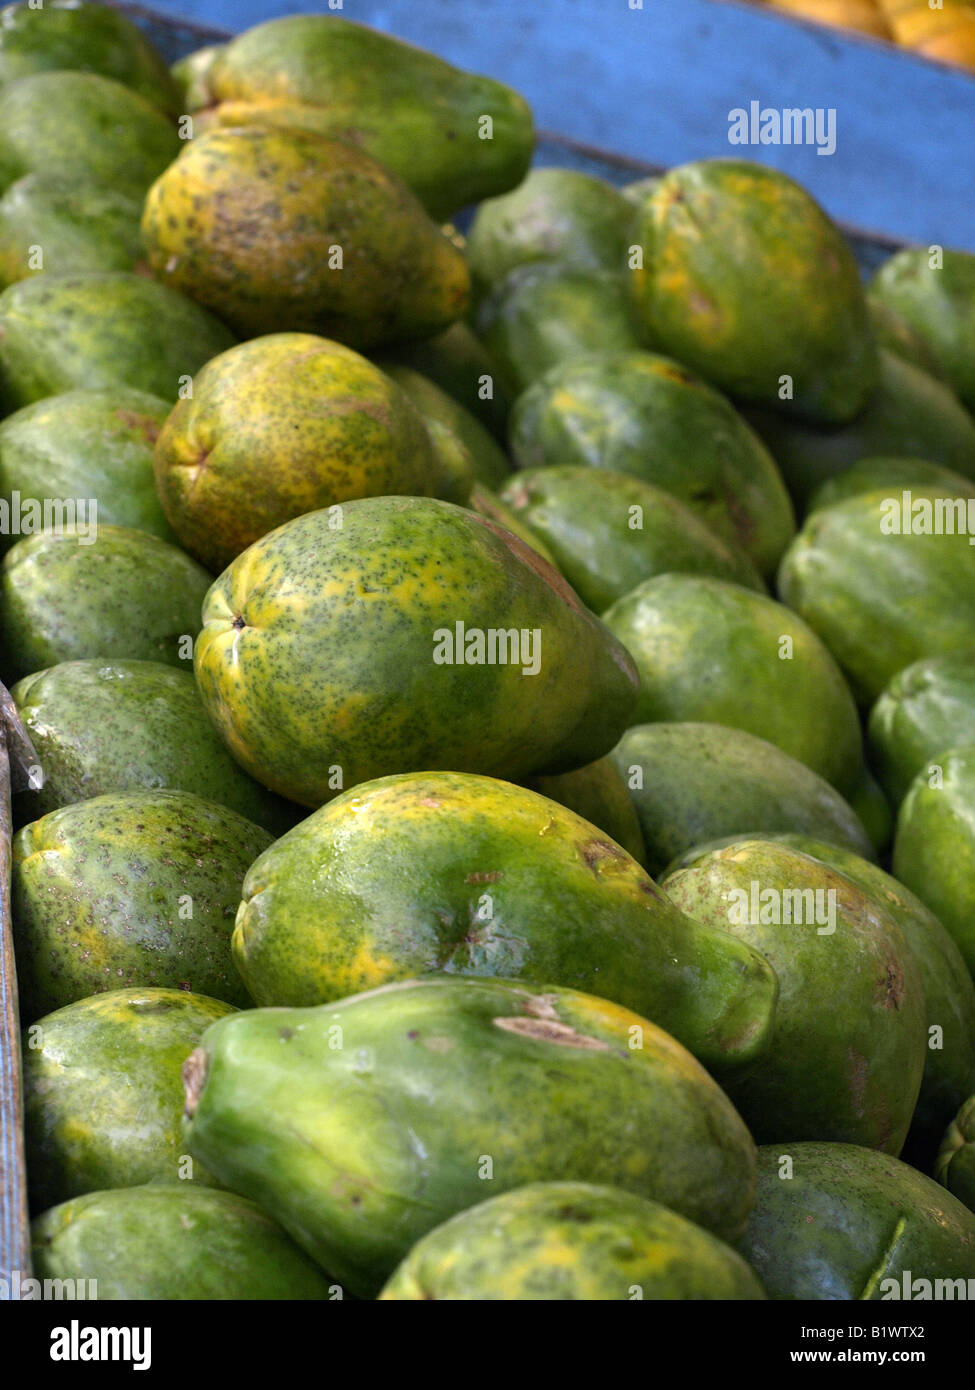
column 657, row 84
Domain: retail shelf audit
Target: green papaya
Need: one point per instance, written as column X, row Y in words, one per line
column 910, row 414
column 646, row 415
column 452, row 136
column 476, row 453
column 570, row 1241
column 390, row 629
column 460, row 364
column 66, row 226
column 132, row 889
column 78, row 124
column 94, row 445
column 608, row 531
column 867, row 798
column 598, row 794
column 926, row 708
column 955, row 1167
column 104, row 329
column 850, row 1073
column 838, row 1221
column 192, row 77
column 280, row 230
column 937, row 300
column 934, row 847
column 97, row 591
column 691, row 783
column 279, row 426
column 542, row 314
column 63, row 35
column 894, row 334
column 891, row 474
column 100, row 727
column 409, row 875
column 713, row 652
column 565, row 216
column 488, row 505
column 639, row 190
column 885, row 579
column 162, row 1243
column 102, row 1092
column 362, row 1125
column 772, row 293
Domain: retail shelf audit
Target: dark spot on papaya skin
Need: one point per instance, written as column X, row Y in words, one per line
column 595, row 851
column 145, row 424
column 285, row 1034
column 239, row 622
column 487, row 877
column 549, row 1031
column 413, row 1034
column 569, row 1213
column 892, row 988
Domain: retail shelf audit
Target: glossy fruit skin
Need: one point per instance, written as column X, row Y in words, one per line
column 772, row 291
column 894, row 334
column 357, row 614
column 570, row 1241
column 712, row 652
column 881, row 599
column 79, row 225
column 102, row 1093
column 63, row 36
column 443, row 872
column 105, row 329
column 489, row 506
column 134, row 888
column 161, row 1242
column 91, row 444
column 646, row 415
column 278, row 426
column 692, row 783
column 598, row 794
column 407, row 108
column 955, row 1166
column 192, row 77
column 910, row 414
column 77, row 123
column 118, row 726
column 247, row 222
column 476, row 455
column 541, row 314
column 934, row 848
column 124, row 594
column 926, row 708
column 460, row 364
column 939, row 305
column 544, row 1083
column 850, row 1073
column 609, row 531
column 851, row 1224
column 893, row 475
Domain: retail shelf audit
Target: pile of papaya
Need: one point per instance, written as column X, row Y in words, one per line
column 943, row 30
column 502, row 824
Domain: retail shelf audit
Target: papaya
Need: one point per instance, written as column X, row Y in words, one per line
column 79, row 124
column 911, row 414
column 459, row 363
column 938, row 302
column 894, row 334
column 102, row 1092
column 573, row 219
column 646, row 415
column 691, row 783
column 94, row 445
column 598, row 794
column 926, row 708
column 771, row 293
column 117, row 726
column 885, row 578
column 489, row 506
column 66, row 226
column 279, row 426
column 476, row 455
column 159, row 1242
column 893, row 475
column 334, row 654
column 840, row 1221
column 862, row 16
column 191, row 75
column 479, row 877
column 97, row 591
column 281, row 230
column 542, row 313
column 570, row 1241
column 934, row 847
column 955, row 1167
column 63, row 35
column 946, row 33
column 101, row 329
column 134, row 888
column 453, row 137
column 360, row 1145
column 714, row 652
column 867, row 799
column 640, row 189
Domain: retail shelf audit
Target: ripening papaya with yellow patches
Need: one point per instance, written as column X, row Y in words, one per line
column 862, row 16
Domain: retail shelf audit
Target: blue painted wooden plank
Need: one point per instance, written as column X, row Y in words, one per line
column 657, row 84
